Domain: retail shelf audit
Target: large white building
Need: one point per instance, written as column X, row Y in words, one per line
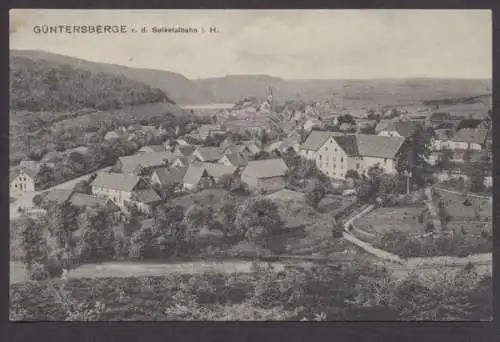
column 336, row 153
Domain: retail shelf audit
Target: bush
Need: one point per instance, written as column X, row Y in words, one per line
column 38, row 272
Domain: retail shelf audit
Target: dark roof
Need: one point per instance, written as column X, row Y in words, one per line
column 348, row 144
column 378, row 146
column 116, row 181
column 265, row 168
column 169, row 176
column 370, row 145
column 439, row 116
column 406, row 128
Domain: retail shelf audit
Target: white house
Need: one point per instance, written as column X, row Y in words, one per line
column 336, row 154
column 314, row 141
column 125, row 189
column 23, row 181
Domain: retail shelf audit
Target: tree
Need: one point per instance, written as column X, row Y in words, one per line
column 257, row 212
column 413, row 156
column 443, row 214
column 314, row 193
column 352, row 174
column 476, row 171
column 225, row 215
column 195, row 219
column 33, row 242
column 261, row 155
column 62, row 223
column 97, row 237
column 347, row 118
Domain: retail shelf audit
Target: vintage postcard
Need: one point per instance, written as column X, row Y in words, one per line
column 258, row 165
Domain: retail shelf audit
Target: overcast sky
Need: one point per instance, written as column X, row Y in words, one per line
column 283, row 43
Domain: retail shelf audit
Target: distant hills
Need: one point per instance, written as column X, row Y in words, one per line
column 230, row 89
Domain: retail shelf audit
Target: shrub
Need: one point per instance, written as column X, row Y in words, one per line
column 37, row 272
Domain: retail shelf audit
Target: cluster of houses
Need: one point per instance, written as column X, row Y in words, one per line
column 182, row 166
column 134, row 179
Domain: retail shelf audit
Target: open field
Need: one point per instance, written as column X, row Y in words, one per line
column 383, row 220
column 458, row 208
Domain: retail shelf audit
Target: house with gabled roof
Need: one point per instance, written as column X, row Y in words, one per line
column 169, row 177
column 336, row 154
column 125, row 189
column 24, row 180
column 206, row 175
column 314, row 141
column 265, row 175
column 197, row 177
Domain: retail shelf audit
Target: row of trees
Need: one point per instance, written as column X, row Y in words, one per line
column 175, row 231
column 68, row 235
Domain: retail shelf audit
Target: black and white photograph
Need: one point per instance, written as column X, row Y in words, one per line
column 250, row 165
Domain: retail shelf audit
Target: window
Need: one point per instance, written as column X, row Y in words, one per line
column 357, row 166
column 334, row 166
column 342, row 159
column 385, row 160
column 15, row 186
column 320, row 157
column 335, row 149
column 326, row 149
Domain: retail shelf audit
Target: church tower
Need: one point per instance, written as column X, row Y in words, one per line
column 270, row 96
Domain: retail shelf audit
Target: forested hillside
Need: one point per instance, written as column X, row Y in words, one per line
column 39, row 85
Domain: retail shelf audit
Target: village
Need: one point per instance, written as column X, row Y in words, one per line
column 342, row 151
